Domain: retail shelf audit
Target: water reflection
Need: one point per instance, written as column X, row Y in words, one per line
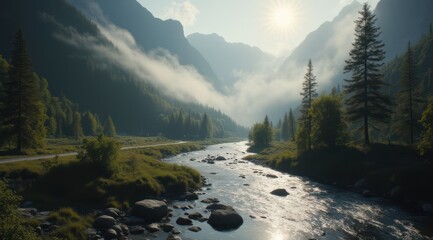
column 310, row 210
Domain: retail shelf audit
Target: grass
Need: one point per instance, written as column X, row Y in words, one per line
column 382, row 168
column 71, row 224
column 67, row 182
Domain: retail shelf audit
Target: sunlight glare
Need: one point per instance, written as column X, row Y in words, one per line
column 282, row 17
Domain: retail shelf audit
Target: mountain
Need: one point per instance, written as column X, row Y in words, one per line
column 327, row 47
column 412, row 19
column 229, row 60
column 149, row 32
column 58, row 38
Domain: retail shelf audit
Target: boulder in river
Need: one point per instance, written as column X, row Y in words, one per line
column 224, row 217
column 271, row 175
column 194, row 229
column 104, row 222
column 152, row 227
column 166, row 227
column 210, row 200
column 173, row 237
column 189, row 196
column 150, row 210
column 112, row 212
column 280, row 192
column 110, row 234
column 184, row 221
column 220, row 158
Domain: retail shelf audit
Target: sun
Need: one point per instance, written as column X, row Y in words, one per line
column 282, row 17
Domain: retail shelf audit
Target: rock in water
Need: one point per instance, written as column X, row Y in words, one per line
column 189, row 196
column 104, row 222
column 150, row 210
column 280, row 192
column 224, row 217
column 184, row 221
column 220, row 158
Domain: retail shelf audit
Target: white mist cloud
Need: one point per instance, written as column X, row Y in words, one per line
column 185, row 12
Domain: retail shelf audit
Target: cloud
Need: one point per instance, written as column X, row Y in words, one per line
column 185, row 12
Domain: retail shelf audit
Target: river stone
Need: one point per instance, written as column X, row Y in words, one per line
column 220, row 158
column 225, row 219
column 131, row 220
column 271, row 176
column 173, row 237
column 210, row 200
column 110, row 234
column 219, row 206
column 150, row 210
column 195, row 216
column 189, row 196
column 280, row 192
column 194, row 229
column 166, row 227
column 152, row 228
column 183, row 221
column 104, row 222
column 112, row 212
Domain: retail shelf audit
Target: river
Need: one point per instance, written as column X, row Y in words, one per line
column 310, row 211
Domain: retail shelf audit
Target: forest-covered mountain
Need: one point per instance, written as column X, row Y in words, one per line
column 149, row 32
column 402, row 21
column 229, row 60
column 74, row 71
column 423, row 61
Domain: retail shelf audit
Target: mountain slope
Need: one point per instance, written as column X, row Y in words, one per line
column 74, row 69
column 229, row 59
column 149, row 32
column 412, row 18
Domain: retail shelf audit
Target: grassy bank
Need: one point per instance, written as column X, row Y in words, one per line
column 67, row 182
column 392, row 171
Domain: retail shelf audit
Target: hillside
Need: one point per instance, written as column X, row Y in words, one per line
column 76, row 71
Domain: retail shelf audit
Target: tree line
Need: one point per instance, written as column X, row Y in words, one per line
column 29, row 113
column 364, row 108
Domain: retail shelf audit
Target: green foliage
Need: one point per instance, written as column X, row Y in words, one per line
column 328, row 126
column 100, row 151
column 109, row 128
column 408, row 101
column 90, row 124
column 11, row 223
column 71, row 224
column 206, row 130
column 292, row 123
column 76, row 124
column 261, row 134
column 365, row 101
column 308, row 95
column 23, row 110
column 425, row 145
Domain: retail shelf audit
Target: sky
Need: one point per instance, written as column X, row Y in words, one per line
column 261, row 23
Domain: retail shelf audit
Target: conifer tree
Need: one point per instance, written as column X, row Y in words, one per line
column 205, row 127
column 292, row 123
column 285, row 128
column 23, row 112
column 365, row 101
column 109, row 128
column 408, row 100
column 308, row 95
column 90, row 124
column 77, row 126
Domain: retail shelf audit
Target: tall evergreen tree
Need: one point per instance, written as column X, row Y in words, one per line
column 109, row 128
column 205, row 127
column 308, row 95
column 365, row 100
column 90, row 124
column 292, row 123
column 77, row 126
column 23, row 112
column 408, row 100
column 285, row 128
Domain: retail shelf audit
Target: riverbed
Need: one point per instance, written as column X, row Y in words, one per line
column 310, row 211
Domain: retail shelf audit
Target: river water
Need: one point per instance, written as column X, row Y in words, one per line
column 310, row 211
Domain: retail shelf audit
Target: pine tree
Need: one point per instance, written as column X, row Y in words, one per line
column 408, row 99
column 268, row 129
column 292, row 123
column 285, row 128
column 23, row 112
column 77, row 126
column 109, row 128
column 205, row 127
column 308, row 95
column 90, row 124
column 365, row 101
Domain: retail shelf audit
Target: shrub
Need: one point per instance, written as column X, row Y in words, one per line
column 100, row 151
